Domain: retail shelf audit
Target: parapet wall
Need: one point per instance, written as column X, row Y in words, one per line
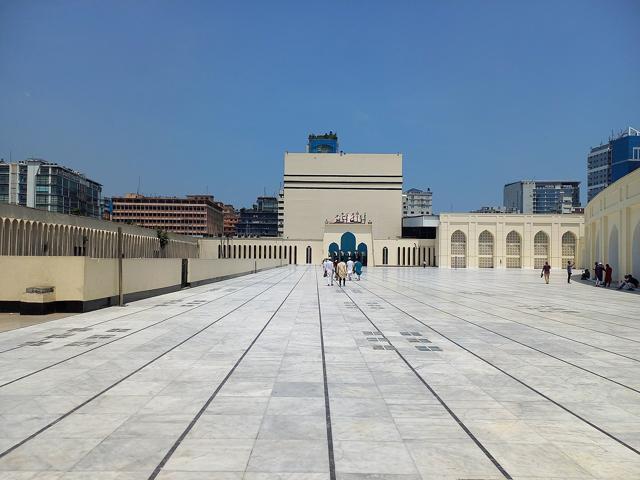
column 83, row 284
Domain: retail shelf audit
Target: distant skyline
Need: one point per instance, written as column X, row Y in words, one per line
column 204, row 96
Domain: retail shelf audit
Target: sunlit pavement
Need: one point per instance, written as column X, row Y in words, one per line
column 409, row 373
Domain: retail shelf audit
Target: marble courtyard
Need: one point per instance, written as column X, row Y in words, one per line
column 408, row 374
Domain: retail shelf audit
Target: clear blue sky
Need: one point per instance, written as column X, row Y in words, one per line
column 194, row 95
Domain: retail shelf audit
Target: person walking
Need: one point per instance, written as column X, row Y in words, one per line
column 349, row 269
column 608, row 274
column 546, row 270
column 357, row 267
column 328, row 271
column 569, row 270
column 598, row 273
column 341, row 272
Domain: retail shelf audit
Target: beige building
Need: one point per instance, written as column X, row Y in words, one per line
column 318, row 187
column 476, row 240
column 612, row 227
column 351, row 205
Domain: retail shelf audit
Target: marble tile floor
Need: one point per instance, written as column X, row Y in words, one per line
column 408, row 374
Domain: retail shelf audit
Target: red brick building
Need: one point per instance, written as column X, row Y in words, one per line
column 197, row 215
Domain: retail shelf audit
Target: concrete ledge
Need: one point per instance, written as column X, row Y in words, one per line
column 228, row 277
column 80, row 306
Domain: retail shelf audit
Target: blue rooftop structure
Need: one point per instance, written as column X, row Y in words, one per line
column 625, row 154
column 325, row 143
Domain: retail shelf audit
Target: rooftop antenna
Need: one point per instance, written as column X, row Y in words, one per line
column 138, row 191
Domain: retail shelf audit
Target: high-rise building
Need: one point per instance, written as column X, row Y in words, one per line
column 528, row 196
column 325, row 143
column 598, row 169
column 193, row 215
column 261, row 220
column 417, row 202
column 625, row 154
column 37, row 183
column 611, row 161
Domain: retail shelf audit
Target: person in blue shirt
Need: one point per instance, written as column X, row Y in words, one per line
column 357, row 267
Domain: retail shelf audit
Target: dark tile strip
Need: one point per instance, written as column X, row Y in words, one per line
column 195, row 419
column 466, row 430
column 91, row 399
column 327, row 405
column 128, row 334
column 521, row 382
column 519, row 342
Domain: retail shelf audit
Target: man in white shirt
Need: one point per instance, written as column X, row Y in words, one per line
column 328, row 271
column 349, row 269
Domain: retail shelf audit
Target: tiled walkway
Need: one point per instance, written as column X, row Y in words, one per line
column 408, row 374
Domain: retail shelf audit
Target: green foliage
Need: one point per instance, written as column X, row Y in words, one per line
column 163, row 237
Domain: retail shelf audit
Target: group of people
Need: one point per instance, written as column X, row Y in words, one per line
column 341, row 270
column 627, row 283
column 603, row 275
column 599, row 270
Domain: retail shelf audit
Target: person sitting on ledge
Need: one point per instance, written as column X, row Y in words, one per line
column 586, row 275
column 629, row 283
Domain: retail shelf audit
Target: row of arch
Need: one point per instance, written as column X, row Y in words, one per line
column 411, row 256
column 513, row 249
column 275, row 252
column 611, row 253
column 33, row 238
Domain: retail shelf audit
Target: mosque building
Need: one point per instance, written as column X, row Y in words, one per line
column 345, row 205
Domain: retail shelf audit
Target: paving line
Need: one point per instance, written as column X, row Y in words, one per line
column 118, row 317
column 129, row 334
column 548, row 318
column 327, row 406
column 521, row 382
column 522, row 343
column 510, row 320
column 466, row 430
column 195, row 419
column 525, row 324
column 129, row 375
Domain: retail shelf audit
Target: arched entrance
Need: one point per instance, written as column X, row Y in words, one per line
column 612, row 258
column 334, row 251
column 347, row 246
column 361, row 254
column 635, row 253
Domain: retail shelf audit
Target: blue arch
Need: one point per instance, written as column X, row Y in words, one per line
column 362, row 248
column 348, row 242
column 334, row 248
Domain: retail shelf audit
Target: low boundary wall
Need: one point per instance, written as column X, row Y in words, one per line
column 83, row 284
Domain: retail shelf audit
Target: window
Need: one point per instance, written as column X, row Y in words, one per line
column 458, row 250
column 540, row 249
column 568, row 247
column 514, row 249
column 485, row 250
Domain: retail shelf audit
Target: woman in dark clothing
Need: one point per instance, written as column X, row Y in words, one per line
column 608, row 273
